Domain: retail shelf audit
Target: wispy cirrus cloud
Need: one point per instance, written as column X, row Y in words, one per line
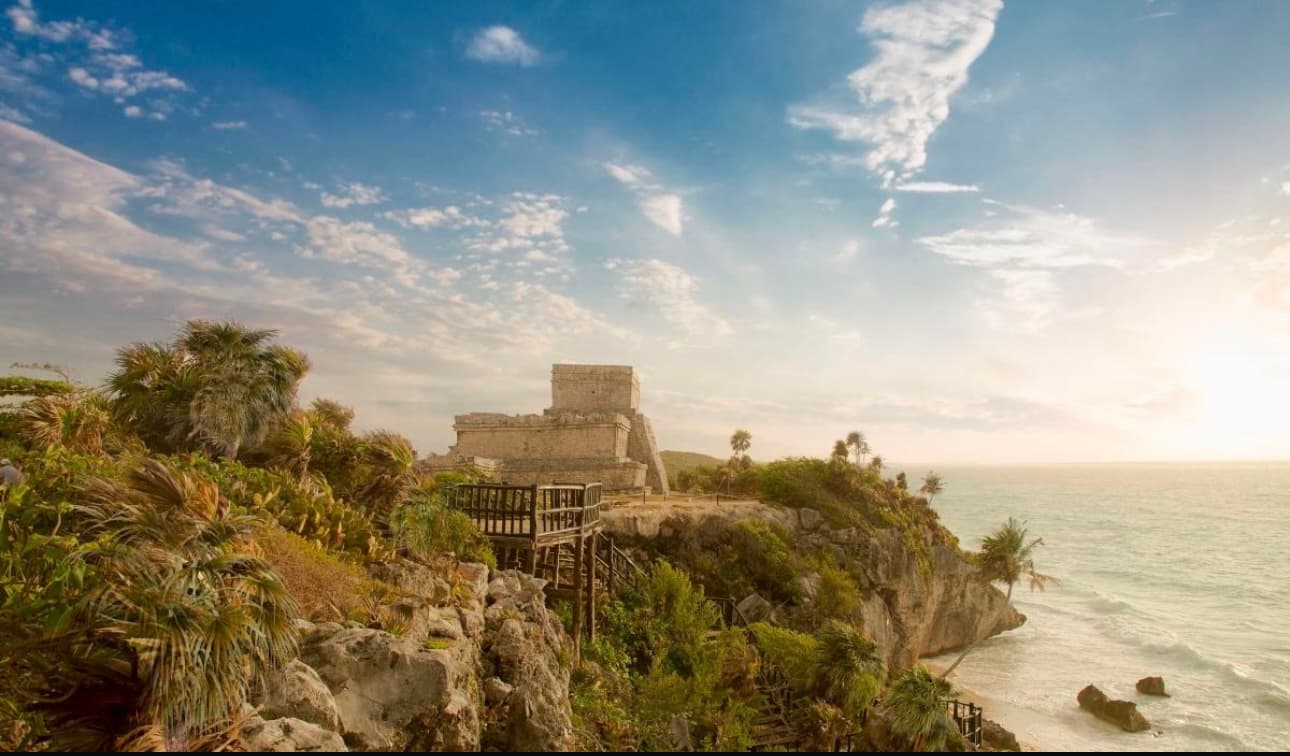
column 663, row 208
column 672, row 294
column 923, row 50
column 502, row 44
column 935, row 187
column 354, row 193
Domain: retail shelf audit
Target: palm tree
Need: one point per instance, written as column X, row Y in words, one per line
column 876, row 464
column 79, row 421
column 849, row 671
column 183, row 624
column 218, row 385
column 390, row 466
column 1007, row 556
column 290, row 445
column 332, row 413
column 840, row 454
column 902, row 481
column 859, row 446
column 918, row 706
column 740, row 442
column 932, row 485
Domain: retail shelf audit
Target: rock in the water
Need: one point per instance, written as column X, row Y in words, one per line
column 282, row 735
column 1152, row 686
column 754, row 608
column 298, row 693
column 997, row 737
column 1123, row 714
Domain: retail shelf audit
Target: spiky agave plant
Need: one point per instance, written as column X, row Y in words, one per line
column 917, row 704
column 192, row 621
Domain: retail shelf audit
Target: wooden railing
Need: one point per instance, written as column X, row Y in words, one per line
column 616, row 566
column 530, row 512
column 967, row 716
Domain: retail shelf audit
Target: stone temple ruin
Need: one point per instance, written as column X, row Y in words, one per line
column 593, row 432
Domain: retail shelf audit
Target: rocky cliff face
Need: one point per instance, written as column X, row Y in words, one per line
column 908, row 610
column 476, row 663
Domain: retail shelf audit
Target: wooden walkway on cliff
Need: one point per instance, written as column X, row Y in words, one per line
column 553, row 532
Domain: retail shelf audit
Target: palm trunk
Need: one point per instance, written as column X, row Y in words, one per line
column 1006, row 601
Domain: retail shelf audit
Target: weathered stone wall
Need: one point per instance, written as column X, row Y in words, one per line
column 595, row 388
column 641, row 445
column 614, row 474
column 562, row 436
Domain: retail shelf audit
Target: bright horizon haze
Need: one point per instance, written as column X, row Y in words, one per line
column 978, row 231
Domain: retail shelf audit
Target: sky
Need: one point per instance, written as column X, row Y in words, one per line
column 976, row 231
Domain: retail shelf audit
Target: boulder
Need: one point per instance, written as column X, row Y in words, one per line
column 287, row 734
column 997, row 737
column 395, row 694
column 299, row 693
column 1152, row 686
column 809, row 519
column 527, row 651
column 1123, row 714
column 807, row 585
column 496, row 691
column 754, row 608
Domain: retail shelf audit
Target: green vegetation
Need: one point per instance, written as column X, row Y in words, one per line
column 917, row 706
column 171, row 527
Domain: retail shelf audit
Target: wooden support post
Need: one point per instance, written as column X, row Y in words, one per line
column 591, row 588
column 609, row 559
column 578, row 578
column 555, row 571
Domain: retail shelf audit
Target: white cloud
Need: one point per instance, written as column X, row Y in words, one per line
column 922, row 52
column 502, row 44
column 1025, row 300
column 1034, row 238
column 672, row 294
column 629, row 175
column 529, row 215
column 884, row 219
column 507, row 123
column 848, row 252
column 663, row 208
column 132, row 111
column 430, row 217
column 936, row 187
column 1285, row 188
column 354, row 193
column 229, row 125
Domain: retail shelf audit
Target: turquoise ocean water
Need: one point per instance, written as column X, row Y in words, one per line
column 1179, row 570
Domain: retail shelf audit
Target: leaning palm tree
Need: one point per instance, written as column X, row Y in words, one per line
column 932, row 485
column 184, row 624
column 858, row 445
column 918, row 707
column 1007, row 556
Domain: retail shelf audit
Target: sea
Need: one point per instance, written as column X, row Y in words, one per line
column 1175, row 570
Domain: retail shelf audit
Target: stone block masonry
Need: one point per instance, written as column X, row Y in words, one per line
column 593, row 432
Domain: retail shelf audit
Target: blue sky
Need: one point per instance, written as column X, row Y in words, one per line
column 977, row 231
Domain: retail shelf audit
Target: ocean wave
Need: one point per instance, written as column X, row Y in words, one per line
column 1205, row 732
column 1276, row 694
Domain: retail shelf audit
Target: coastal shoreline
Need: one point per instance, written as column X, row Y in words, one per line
column 1016, row 719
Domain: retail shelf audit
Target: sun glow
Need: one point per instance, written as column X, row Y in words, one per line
column 1240, row 406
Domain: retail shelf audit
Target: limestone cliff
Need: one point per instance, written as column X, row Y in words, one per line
column 475, row 664
column 910, row 606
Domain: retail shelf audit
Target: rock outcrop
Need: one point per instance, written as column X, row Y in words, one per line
column 998, row 738
column 476, row 660
column 287, row 734
column 526, row 658
column 1152, row 686
column 1122, row 714
column 909, row 610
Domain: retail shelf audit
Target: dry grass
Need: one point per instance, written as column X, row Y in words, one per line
column 328, row 587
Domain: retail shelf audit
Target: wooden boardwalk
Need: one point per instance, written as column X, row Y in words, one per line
column 552, row 532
